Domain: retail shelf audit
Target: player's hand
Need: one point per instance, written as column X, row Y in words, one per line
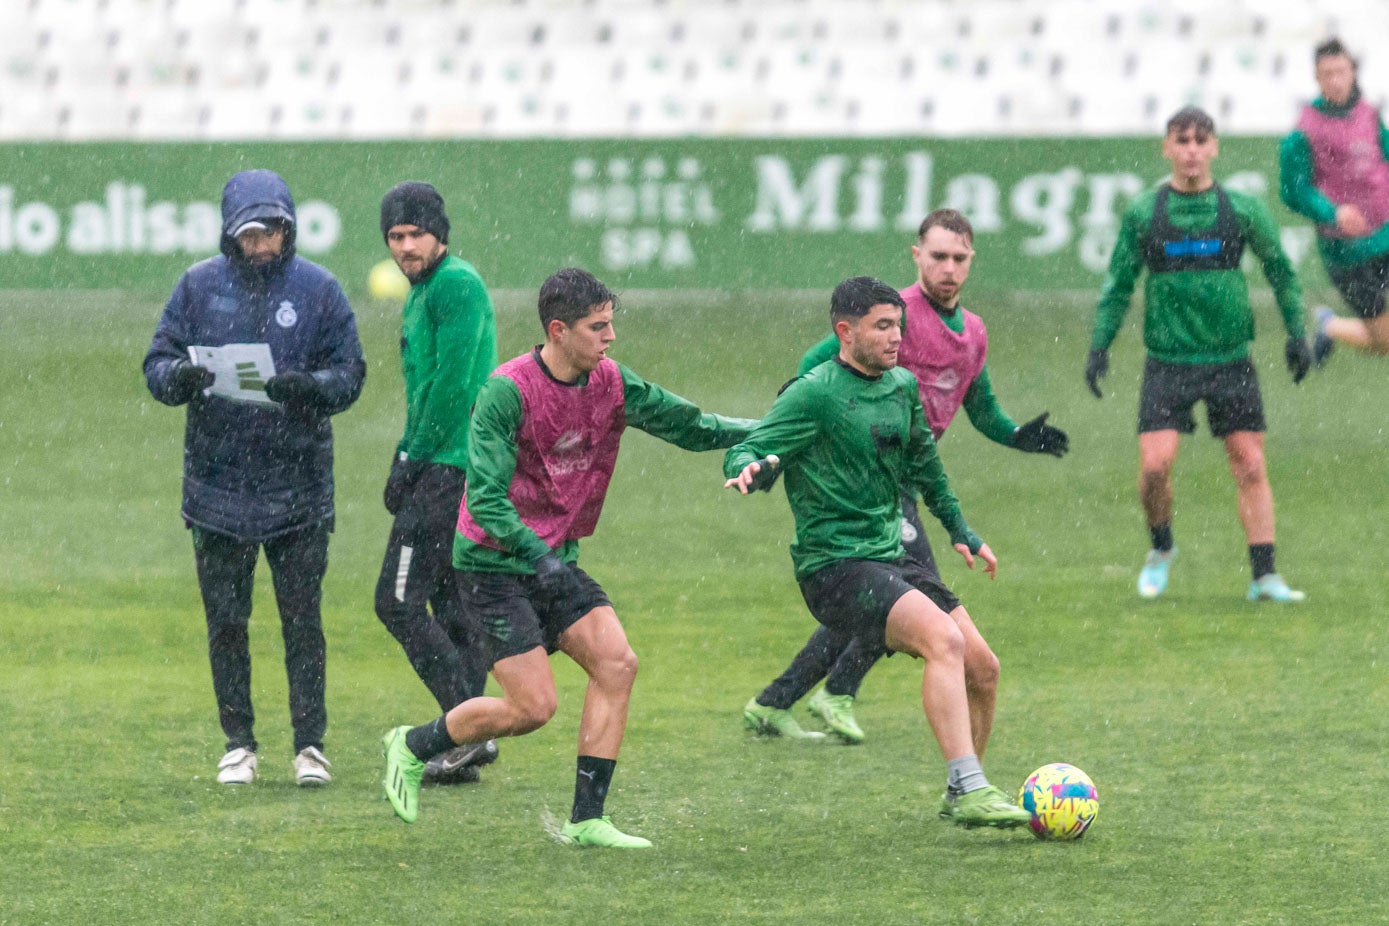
column 556, row 577
column 1299, row 357
column 404, row 474
column 987, row 555
column 188, row 379
column 1350, row 221
column 757, row 476
column 1096, row 369
column 296, row 388
column 1039, row 437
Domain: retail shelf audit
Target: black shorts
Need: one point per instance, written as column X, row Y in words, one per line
column 852, row 597
column 516, row 616
column 1171, row 390
column 1362, row 285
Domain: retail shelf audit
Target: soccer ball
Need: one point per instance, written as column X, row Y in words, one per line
column 387, row 283
column 1062, row 800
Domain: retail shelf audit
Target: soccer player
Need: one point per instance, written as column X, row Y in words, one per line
column 1334, row 169
column 848, row 436
column 1190, row 234
column 448, row 346
column 259, row 474
column 943, row 346
column 542, row 446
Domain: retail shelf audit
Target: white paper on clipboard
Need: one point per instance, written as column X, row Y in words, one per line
column 242, row 370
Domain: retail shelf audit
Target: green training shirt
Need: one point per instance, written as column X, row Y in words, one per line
column 848, row 443
column 1297, row 187
column 980, row 403
column 492, row 461
column 1195, row 316
column 448, row 346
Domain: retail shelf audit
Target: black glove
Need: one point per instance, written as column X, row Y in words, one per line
column 557, row 578
column 188, row 379
column 298, row 389
column 1299, row 357
column 1039, row 437
column 404, row 474
column 1096, row 368
column 766, row 476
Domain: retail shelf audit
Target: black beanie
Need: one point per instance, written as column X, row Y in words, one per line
column 414, row 202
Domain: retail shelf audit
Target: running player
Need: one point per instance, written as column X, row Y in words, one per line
column 944, row 347
column 848, row 435
column 542, row 446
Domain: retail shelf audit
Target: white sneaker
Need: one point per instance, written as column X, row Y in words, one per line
column 311, row 768
column 237, row 767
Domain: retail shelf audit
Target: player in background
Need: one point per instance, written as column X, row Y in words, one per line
column 448, row 347
column 944, row 346
column 848, row 436
column 1334, row 169
column 542, row 446
column 1189, row 233
column 260, row 474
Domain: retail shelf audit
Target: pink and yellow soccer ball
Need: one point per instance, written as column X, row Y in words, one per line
column 1062, row 800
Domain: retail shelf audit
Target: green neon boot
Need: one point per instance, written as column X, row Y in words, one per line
column 775, row 721
column 403, row 774
column 837, row 713
column 599, row 832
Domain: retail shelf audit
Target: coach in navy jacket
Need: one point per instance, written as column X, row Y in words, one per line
column 255, row 474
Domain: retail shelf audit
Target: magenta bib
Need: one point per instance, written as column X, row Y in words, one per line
column 944, row 363
column 1348, row 164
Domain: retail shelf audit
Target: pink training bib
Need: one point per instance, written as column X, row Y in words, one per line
column 1348, row 164
column 944, row 363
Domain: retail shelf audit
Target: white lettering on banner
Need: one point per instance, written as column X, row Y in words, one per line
column 652, row 209
column 782, row 206
column 123, row 222
column 1045, row 200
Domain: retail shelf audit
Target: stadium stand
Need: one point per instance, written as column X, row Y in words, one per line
column 227, row 69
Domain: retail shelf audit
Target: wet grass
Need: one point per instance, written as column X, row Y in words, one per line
column 1237, row 749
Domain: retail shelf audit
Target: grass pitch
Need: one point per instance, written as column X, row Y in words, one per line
column 1236, row 747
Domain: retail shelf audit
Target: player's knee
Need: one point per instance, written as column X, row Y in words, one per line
column 982, row 671
column 1247, row 466
column 943, row 641
column 619, row 670
column 533, row 711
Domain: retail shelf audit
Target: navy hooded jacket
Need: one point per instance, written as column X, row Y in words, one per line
column 256, row 471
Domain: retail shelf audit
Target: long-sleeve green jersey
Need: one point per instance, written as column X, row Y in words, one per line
column 1195, row 316
column 980, row 403
column 448, row 346
column 1297, row 187
column 497, row 420
column 848, row 443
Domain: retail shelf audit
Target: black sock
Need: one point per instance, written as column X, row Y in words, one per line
column 591, row 787
column 1162, row 536
column 1261, row 559
column 430, row 740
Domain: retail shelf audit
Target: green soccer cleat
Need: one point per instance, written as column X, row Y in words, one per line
column 775, row 721
column 403, row 774
column 1272, row 587
column 983, row 807
column 599, row 832
column 837, row 713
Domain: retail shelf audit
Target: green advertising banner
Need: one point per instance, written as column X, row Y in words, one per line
column 692, row 214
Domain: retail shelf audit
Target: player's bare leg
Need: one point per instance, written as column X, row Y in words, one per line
column 1245, row 450
column 917, row 627
column 1157, row 452
column 527, row 702
column 981, row 680
column 1368, row 335
column 599, row 645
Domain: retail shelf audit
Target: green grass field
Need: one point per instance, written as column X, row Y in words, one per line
column 1237, row 748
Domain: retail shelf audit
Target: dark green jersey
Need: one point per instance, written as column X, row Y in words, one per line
column 1195, row 316
column 497, row 422
column 448, row 346
column 848, row 443
column 980, row 403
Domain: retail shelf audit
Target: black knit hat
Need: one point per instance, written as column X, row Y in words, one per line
column 414, row 202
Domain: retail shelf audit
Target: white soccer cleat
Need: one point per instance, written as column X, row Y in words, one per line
column 1272, row 587
column 237, row 767
column 311, row 768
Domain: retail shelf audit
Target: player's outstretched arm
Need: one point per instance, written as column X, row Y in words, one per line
column 675, row 420
column 789, row 426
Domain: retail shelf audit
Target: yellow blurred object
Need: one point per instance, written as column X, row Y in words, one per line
column 386, row 282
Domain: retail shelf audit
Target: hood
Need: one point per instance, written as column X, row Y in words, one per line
column 252, row 195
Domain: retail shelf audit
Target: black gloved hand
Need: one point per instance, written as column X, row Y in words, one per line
column 1039, row 437
column 1096, row 368
column 1299, row 357
column 557, row 578
column 188, row 379
column 404, row 474
column 768, row 472
column 296, row 388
